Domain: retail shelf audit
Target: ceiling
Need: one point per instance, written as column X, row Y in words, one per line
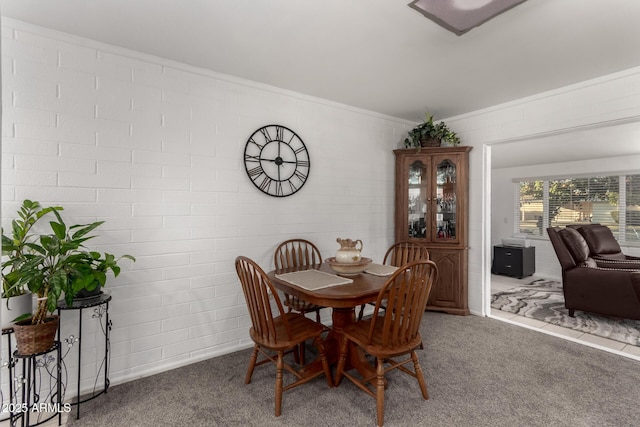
column 379, row 55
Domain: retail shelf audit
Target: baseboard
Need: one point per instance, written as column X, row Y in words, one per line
column 157, row 369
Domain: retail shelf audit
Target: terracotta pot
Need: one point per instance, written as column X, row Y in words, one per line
column 34, row 339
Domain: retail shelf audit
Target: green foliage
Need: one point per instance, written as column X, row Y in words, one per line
column 564, row 192
column 52, row 264
column 429, row 129
column 28, row 215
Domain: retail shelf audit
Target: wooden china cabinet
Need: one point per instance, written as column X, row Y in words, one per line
column 432, row 187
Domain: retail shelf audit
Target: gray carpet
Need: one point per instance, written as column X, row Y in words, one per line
column 479, row 372
column 543, row 300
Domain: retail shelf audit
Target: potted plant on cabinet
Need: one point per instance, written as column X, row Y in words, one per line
column 430, row 134
column 50, row 265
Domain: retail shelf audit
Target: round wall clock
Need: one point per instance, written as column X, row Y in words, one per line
column 276, row 160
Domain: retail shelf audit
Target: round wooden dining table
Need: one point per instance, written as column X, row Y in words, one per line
column 343, row 300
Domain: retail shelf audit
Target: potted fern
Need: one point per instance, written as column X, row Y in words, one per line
column 50, row 265
column 430, row 134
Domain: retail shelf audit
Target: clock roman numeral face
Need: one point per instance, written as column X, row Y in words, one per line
column 276, row 160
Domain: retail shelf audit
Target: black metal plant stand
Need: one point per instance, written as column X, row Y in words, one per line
column 26, row 385
column 100, row 306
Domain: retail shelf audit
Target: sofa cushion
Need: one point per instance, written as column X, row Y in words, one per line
column 576, row 244
column 564, row 256
column 617, row 263
column 601, row 241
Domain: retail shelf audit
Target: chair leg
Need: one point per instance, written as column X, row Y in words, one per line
column 341, row 361
column 319, row 343
column 361, row 312
column 380, row 391
column 302, row 351
column 419, row 375
column 279, row 381
column 572, row 312
column 318, row 315
column 252, row 364
column 296, row 355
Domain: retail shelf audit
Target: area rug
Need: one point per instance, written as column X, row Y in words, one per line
column 543, row 300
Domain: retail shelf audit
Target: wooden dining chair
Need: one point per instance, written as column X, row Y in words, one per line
column 297, row 253
column 394, row 333
column 399, row 254
column 275, row 335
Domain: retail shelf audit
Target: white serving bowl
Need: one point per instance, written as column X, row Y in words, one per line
column 348, row 268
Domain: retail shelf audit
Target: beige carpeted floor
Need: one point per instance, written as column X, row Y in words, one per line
column 479, row 371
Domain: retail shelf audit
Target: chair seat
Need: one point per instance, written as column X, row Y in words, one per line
column 300, row 305
column 359, row 333
column 301, row 328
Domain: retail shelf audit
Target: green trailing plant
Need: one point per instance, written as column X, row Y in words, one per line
column 53, row 264
column 429, row 129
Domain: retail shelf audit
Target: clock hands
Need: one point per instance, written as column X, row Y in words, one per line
column 279, row 161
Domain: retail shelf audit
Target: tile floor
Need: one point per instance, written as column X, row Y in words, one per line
column 501, row 283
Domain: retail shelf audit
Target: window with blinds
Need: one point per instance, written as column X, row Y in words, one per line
column 630, row 200
column 612, row 200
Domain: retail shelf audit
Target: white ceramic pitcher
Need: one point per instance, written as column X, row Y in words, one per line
column 349, row 251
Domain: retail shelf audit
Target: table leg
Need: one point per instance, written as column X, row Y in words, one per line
column 341, row 317
column 356, row 357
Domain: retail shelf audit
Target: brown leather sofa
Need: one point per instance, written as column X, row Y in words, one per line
column 596, row 277
column 603, row 245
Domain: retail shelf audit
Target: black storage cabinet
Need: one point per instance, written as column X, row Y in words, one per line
column 514, row 261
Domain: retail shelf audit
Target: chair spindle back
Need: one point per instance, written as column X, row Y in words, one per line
column 402, row 253
column 258, row 293
column 296, row 253
column 405, row 294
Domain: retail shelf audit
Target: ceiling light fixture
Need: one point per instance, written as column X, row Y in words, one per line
column 470, row 4
column 459, row 16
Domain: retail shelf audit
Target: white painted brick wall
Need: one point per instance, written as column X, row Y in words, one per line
column 155, row 149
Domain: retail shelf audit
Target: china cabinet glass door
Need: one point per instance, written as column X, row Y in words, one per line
column 445, row 201
column 418, row 209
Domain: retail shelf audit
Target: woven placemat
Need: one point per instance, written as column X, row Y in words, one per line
column 313, row 279
column 380, row 270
